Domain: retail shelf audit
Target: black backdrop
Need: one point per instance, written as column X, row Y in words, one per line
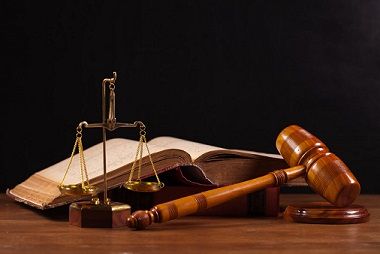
column 227, row 73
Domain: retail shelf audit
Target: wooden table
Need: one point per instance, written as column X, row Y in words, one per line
column 26, row 230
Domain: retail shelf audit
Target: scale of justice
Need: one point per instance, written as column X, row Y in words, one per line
column 102, row 212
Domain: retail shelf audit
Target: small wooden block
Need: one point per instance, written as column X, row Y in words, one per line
column 86, row 214
column 325, row 213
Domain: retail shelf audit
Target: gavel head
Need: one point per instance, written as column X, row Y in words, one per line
column 326, row 174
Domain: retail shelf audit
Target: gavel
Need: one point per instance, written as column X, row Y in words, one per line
column 306, row 155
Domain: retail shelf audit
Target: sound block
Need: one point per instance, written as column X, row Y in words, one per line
column 86, row 214
column 325, row 213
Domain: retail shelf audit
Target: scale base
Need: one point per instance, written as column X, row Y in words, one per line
column 325, row 213
column 86, row 214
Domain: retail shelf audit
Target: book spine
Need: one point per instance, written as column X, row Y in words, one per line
column 265, row 202
column 262, row 203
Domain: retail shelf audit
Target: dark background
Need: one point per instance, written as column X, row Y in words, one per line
column 226, row 73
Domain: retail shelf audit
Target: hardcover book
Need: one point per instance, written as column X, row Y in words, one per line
column 190, row 162
column 261, row 203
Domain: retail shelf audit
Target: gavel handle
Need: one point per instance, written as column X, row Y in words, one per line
column 197, row 202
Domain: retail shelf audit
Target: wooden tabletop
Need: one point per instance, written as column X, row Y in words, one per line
column 27, row 230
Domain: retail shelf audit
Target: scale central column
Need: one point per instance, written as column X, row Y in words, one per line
column 105, row 166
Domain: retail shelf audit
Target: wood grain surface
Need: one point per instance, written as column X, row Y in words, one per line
column 26, row 230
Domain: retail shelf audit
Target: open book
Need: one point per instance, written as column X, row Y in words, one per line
column 195, row 163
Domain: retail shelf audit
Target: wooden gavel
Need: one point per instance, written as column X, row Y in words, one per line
column 324, row 172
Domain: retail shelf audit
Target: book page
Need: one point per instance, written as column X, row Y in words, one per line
column 277, row 156
column 119, row 153
column 193, row 148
